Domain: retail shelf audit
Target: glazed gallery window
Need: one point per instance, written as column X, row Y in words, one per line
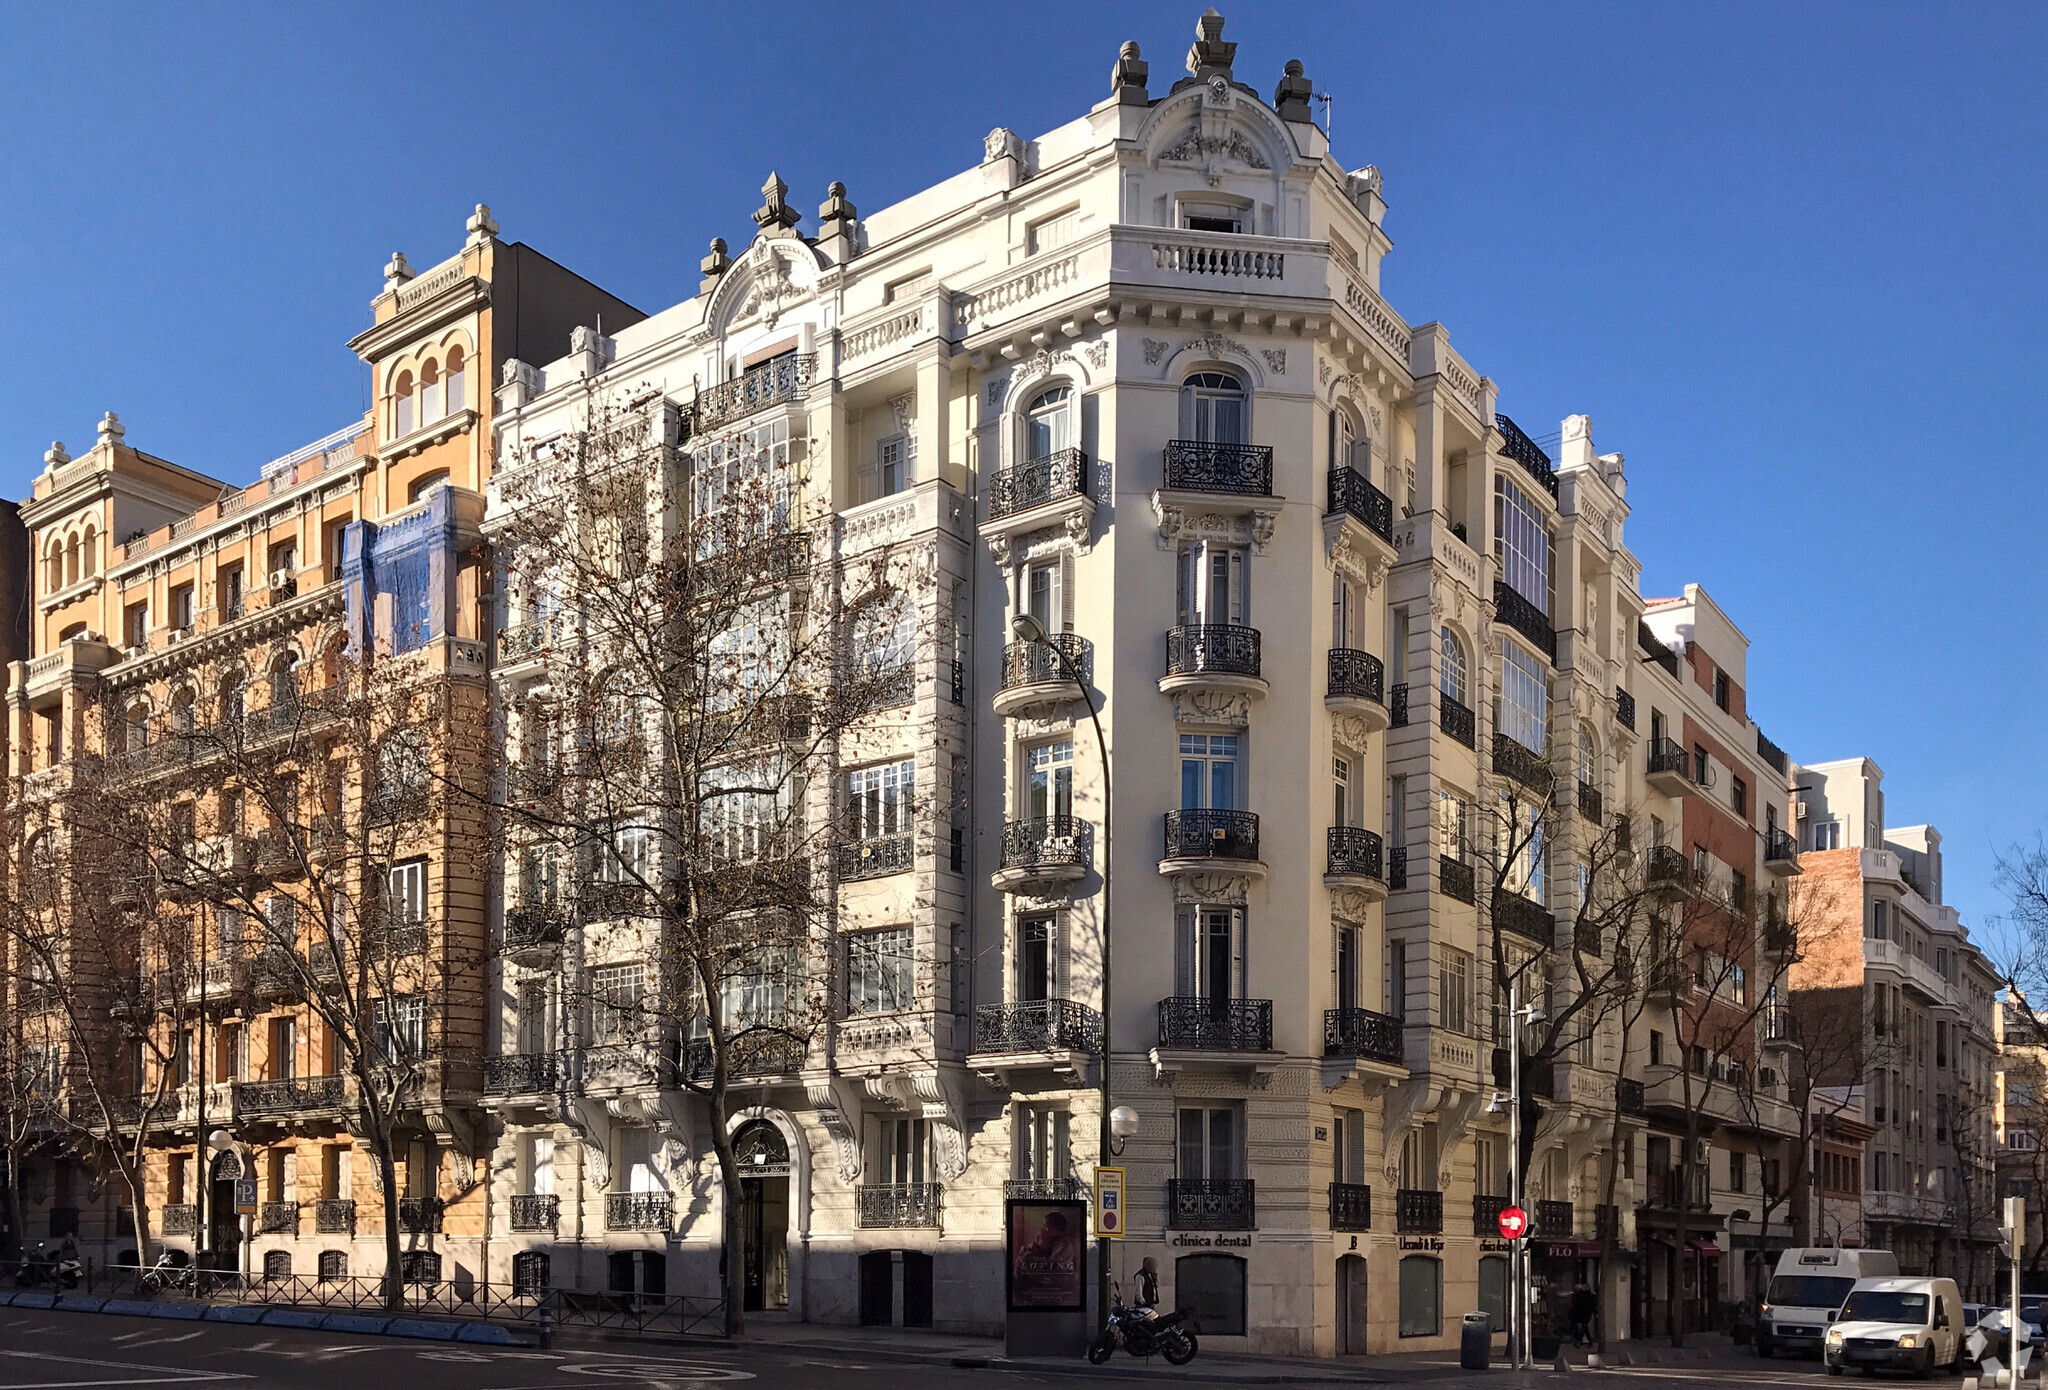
column 627, row 858
column 1450, row 671
column 757, row 995
column 880, row 971
column 740, row 486
column 879, row 800
column 1521, row 543
column 1524, row 710
column 1049, row 423
column 885, row 646
column 1212, row 406
column 617, row 993
column 1454, row 990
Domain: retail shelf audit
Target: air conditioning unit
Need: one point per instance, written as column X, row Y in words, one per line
column 173, row 636
column 282, row 579
column 135, row 653
column 1799, row 810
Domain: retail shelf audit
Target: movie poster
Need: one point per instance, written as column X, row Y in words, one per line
column 1047, row 1269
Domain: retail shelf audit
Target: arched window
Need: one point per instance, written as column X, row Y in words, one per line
column 1049, row 423
column 284, row 681
column 425, row 484
column 333, row 1265
column 1451, row 670
column 234, row 700
column 1588, row 756
column 91, row 552
column 760, row 1144
column 277, row 1264
column 135, row 728
column 184, row 713
column 1349, row 446
column 430, row 393
column 71, row 562
column 54, row 570
column 401, row 391
column 1213, row 407
column 455, row 384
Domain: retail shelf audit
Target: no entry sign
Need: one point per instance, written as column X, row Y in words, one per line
column 1514, row 1223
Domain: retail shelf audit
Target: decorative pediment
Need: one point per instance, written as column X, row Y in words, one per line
column 769, row 278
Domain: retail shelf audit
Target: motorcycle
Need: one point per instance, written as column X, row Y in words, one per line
column 44, row 1267
column 1141, row 1331
column 173, row 1270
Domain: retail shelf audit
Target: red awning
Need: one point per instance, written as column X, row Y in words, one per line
column 1705, row 1248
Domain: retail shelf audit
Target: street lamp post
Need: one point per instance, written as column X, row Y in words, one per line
column 1519, row 1015
column 1025, row 628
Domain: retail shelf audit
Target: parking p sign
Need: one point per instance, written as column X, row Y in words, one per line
column 245, row 1196
column 1109, row 1203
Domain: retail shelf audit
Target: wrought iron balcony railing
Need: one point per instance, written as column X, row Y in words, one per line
column 1456, row 720
column 534, row 922
column 1511, row 758
column 1397, row 706
column 760, row 1053
column 1354, row 852
column 1361, row 1033
column 1216, row 1025
column 1198, row 833
column 1352, row 494
column 877, row 856
column 1350, row 1206
column 1554, row 1220
column 278, row 1218
column 1456, row 879
column 902, row 1205
column 1528, row 920
column 1418, row 1212
column 1667, row 866
column 1357, row 675
column 1211, row 1204
column 1629, row 1097
column 1212, row 649
column 1397, row 866
column 521, row 1073
column 267, row 1099
column 1486, row 1210
column 1519, row 613
column 335, row 1216
column 1589, row 802
column 1037, row 1025
column 1624, row 708
column 536, row 1212
column 1525, row 451
column 1022, row 486
column 1779, row 847
column 1037, row 663
column 181, row 1219
column 420, row 1215
column 1204, row 465
column 1046, row 842
column 637, row 1211
column 1046, row 1189
column 775, row 382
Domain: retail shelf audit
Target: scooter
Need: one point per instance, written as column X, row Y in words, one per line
column 44, row 1267
column 1140, row 1331
column 173, row 1270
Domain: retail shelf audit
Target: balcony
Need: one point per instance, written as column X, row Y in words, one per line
column 1781, row 852
column 1350, row 1206
column 1554, row 1221
column 1624, row 709
column 334, row 1216
column 1628, row 1097
column 876, row 857
column 1671, row 768
column 1456, row 721
column 1213, row 656
column 1362, row 1033
column 1397, row 866
column 1037, row 1025
column 1046, row 1190
column 527, row 641
column 1354, row 860
column 1456, row 879
column 1486, row 1212
column 1044, row 853
column 1357, row 687
column 1022, row 487
column 1034, row 676
column 760, row 1054
column 1352, row 494
column 269, row 1100
column 1668, row 1190
column 900, row 1206
column 420, row 1215
column 1526, row 452
column 277, row 973
column 637, row 1211
column 536, row 1212
column 1526, row 919
column 1418, row 1213
column 521, row 1074
column 1199, row 839
column 1667, row 873
column 1194, row 1022
column 1211, row 1204
column 278, row 1219
column 1589, row 803
column 1203, row 465
column 1519, row 613
column 778, row 381
column 1525, row 765
column 534, row 927
column 1397, row 706
column 181, row 1219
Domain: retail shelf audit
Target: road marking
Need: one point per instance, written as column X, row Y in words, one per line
column 180, row 1375
column 656, row 1370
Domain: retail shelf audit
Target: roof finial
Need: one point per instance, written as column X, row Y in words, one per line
column 1210, row 56
column 396, row 271
column 481, row 225
column 55, row 456
column 775, row 214
column 111, row 428
column 1290, row 98
column 1127, row 78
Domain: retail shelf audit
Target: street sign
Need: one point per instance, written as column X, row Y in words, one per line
column 1514, row 1223
column 245, row 1196
column 1109, row 1203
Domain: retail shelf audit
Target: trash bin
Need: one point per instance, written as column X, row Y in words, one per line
column 1475, row 1342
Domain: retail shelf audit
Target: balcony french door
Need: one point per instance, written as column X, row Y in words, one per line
column 1210, row 1145
column 1210, row 954
column 1049, row 788
column 1211, row 585
column 1208, row 772
column 1035, row 959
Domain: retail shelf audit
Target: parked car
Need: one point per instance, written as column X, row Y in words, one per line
column 1899, row 1324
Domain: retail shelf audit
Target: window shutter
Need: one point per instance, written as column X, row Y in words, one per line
column 1240, row 982
column 1185, row 948
column 1063, row 596
column 1237, row 593
column 1060, row 986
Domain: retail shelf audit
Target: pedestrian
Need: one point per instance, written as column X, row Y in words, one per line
column 1583, row 1307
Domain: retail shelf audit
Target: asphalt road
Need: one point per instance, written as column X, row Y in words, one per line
column 57, row 1351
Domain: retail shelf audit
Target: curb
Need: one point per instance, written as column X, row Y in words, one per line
column 308, row 1319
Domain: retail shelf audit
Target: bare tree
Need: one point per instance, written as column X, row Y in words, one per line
column 709, row 665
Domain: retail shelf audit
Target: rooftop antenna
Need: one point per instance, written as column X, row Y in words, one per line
column 1328, row 122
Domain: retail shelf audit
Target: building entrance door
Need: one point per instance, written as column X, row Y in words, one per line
column 1351, row 1305
column 763, row 1157
column 224, row 1227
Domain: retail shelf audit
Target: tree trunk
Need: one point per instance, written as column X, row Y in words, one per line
column 15, row 1217
column 735, row 1244
column 394, row 1274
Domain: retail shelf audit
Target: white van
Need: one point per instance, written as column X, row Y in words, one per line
column 1906, row 1324
column 1805, row 1292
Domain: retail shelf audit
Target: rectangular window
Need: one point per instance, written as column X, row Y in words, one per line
column 1037, row 962
column 902, row 1151
column 1721, row 688
column 1454, row 990
column 616, row 996
column 1524, row 712
column 230, row 590
column 1044, row 1151
column 1211, row 1144
column 135, row 623
column 1738, row 796
column 1210, row 585
column 1827, row 834
column 894, row 464
column 1049, row 789
column 539, row 1164
column 879, row 800
column 1347, row 1146
column 1209, row 953
column 1053, row 231
column 407, row 885
column 284, row 1049
column 181, row 606
column 1453, row 841
column 629, row 858
column 880, row 977
column 1521, row 543
column 1397, row 979
column 1042, row 592
column 1656, row 1048
column 1208, row 771
column 399, row 1027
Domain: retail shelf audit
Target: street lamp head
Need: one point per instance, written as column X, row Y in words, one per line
column 1026, row 628
column 220, row 1141
column 1499, row 1104
column 1533, row 1015
column 1123, row 1122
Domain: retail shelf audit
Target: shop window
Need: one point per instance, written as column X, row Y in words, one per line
column 1210, row 1289
column 1422, row 1282
column 1493, row 1290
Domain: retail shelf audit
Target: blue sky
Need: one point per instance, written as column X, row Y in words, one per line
column 1789, row 259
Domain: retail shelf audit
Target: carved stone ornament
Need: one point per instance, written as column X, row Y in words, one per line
column 1154, row 351
column 1230, row 708
column 905, row 410
column 1352, row 557
column 1323, row 371
column 1178, row 525
column 998, row 387
column 1220, row 890
column 1276, row 360
column 1350, row 904
column 999, row 543
column 771, row 287
column 832, row 1113
column 1351, row 731
column 1002, row 143
column 1216, row 345
column 1043, row 726
column 1098, row 354
column 1041, row 364
column 1197, row 148
column 944, row 1107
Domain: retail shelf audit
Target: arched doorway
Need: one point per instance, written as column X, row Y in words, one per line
column 224, row 1226
column 1351, row 1305
column 763, row 1157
